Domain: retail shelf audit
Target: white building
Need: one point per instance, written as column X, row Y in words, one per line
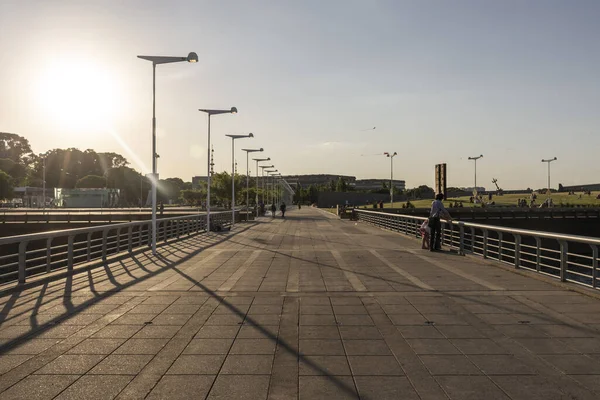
column 87, row 198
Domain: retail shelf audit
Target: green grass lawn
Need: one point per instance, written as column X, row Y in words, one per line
column 511, row 200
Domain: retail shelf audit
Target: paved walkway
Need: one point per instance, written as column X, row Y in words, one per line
column 309, row 307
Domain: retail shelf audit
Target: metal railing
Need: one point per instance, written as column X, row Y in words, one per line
column 569, row 258
column 27, row 255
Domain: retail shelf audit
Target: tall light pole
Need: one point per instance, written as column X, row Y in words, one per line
column 192, row 58
column 257, row 161
column 44, row 185
column 391, row 157
column 248, row 151
column 475, row 159
column 262, row 167
column 210, row 113
column 549, row 161
column 233, row 137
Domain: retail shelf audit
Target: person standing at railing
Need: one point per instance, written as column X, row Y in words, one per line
column 437, row 211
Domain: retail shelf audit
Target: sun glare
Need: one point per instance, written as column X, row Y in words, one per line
column 78, row 95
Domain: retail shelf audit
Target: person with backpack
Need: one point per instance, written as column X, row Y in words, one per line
column 273, row 210
column 282, row 208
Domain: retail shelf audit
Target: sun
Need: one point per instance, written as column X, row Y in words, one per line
column 78, row 95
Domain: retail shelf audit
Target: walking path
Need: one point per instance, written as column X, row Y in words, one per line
column 308, row 307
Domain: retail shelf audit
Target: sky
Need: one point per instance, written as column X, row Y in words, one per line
column 514, row 80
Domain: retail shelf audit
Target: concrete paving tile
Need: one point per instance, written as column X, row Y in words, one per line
column 14, row 331
column 359, row 332
column 71, row 364
column 407, row 319
column 148, row 309
column 446, row 319
column 361, row 320
column 323, row 365
column 272, row 300
column 546, row 346
column 392, row 300
column 199, row 300
column 247, row 387
column 374, row 365
column 327, row 387
column 262, row 319
column 32, row 346
column 321, row 347
column 187, row 309
column 528, row 388
column 218, row 332
column 208, row 346
column 501, row 364
column 239, row 300
column 591, row 382
column 197, row 364
column 96, row 346
column 352, row 310
column 237, row 364
column 367, row 347
column 40, row 387
column 133, row 319
column 121, row 364
column 385, row 388
column 460, row 332
column 317, row 320
column 142, row 346
column 99, row 387
column 253, row 346
column 419, row 332
column 319, row 332
column 161, row 300
column 573, row 363
column 346, row 301
column 157, row 332
column 258, row 332
column 171, row 319
column 432, row 346
column 564, row 331
column 315, row 310
column 399, row 309
column 59, row 332
column 471, row 388
column 478, row 346
column 10, row 361
column 585, row 345
column 449, row 365
column 230, row 309
column 225, row 319
column 521, row 331
column 265, row 309
column 117, row 331
column 182, row 387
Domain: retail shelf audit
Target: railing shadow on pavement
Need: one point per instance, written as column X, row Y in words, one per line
column 62, row 293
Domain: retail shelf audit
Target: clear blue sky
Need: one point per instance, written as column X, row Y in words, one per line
column 441, row 80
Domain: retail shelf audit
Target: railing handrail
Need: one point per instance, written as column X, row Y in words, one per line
column 78, row 231
column 529, row 232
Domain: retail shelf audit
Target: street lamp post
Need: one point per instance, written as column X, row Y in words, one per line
column 270, row 192
column 391, row 157
column 248, row 151
column 233, row 137
column 192, row 58
column 475, row 159
column 256, row 197
column 44, row 186
column 262, row 167
column 210, row 112
column 549, row 161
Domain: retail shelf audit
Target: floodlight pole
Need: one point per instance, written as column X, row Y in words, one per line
column 548, row 161
column 475, row 159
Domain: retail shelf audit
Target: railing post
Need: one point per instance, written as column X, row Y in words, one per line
column 472, row 240
column 594, row 265
column 461, row 227
column 538, row 253
column 130, row 238
column 500, row 246
column 104, row 235
column 165, row 229
column 118, row 240
column 49, row 254
column 564, row 260
column 89, row 246
column 517, row 251
column 22, row 260
column 485, row 243
column 70, row 253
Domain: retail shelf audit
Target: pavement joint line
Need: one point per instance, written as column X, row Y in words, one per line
column 456, row 271
column 175, row 277
column 354, row 280
column 232, row 280
column 402, row 272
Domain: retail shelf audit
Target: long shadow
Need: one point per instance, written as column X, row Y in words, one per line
column 74, row 310
column 248, row 320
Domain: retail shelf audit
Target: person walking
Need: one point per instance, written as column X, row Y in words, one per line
column 437, row 211
column 273, row 210
column 282, row 208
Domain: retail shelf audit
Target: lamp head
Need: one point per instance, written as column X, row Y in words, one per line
column 234, row 110
column 250, row 135
column 192, row 57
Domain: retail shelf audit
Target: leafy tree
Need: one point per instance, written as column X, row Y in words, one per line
column 332, row 186
column 193, row 197
column 17, row 171
column 341, row 185
column 6, row 187
column 133, row 186
column 15, row 147
column 91, row 181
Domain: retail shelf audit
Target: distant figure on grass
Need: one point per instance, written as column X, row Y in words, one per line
column 425, row 233
column 282, row 208
column 381, row 204
column 437, row 211
column 273, row 210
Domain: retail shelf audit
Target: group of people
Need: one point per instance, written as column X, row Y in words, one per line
column 282, row 208
column 431, row 229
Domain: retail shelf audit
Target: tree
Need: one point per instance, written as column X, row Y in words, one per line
column 192, row 197
column 6, row 187
column 332, row 185
column 341, row 185
column 15, row 147
column 91, row 181
column 133, row 186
